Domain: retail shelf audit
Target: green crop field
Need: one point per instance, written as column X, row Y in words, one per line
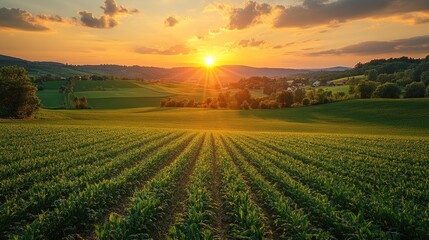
column 348, row 170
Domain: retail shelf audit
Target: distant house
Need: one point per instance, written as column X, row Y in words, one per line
column 292, row 88
column 316, row 84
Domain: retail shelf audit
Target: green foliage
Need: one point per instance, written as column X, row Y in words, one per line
column 415, row 90
column 299, row 95
column 365, row 89
column 285, row 98
column 427, row 91
column 18, row 97
column 306, row 101
column 425, row 78
column 371, row 75
column 387, row 90
column 241, row 96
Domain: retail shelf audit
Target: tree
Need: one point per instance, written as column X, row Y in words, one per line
column 299, row 95
column 384, row 78
column 365, row 89
column 371, row 74
column 427, row 92
column 425, row 78
column 76, row 102
column 242, row 95
column 285, row 98
column 83, row 103
column 18, row 97
column 415, row 90
column 387, row 90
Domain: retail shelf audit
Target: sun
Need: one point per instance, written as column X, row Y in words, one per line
column 209, row 61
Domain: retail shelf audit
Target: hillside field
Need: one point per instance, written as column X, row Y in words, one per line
column 348, row 170
column 119, row 94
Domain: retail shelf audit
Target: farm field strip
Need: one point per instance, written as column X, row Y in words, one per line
column 147, row 204
column 323, row 214
column 376, row 206
column 386, row 151
column 128, row 183
column 28, row 164
column 289, row 220
column 399, row 181
column 195, row 222
column 244, row 219
column 66, row 170
column 81, row 209
column 42, row 196
column 42, row 145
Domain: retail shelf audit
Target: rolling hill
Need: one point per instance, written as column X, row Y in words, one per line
column 226, row 73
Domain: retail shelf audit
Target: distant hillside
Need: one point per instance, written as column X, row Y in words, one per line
column 226, row 73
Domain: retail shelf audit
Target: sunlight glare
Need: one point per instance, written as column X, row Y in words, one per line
column 209, row 61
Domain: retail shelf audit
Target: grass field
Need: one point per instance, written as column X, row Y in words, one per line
column 118, row 94
column 347, row 170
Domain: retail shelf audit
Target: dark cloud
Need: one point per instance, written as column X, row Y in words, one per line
column 180, row 49
column 171, row 21
column 241, row 18
column 51, row 18
column 251, row 43
column 89, row 20
column 418, row 44
column 16, row 18
column 108, row 20
column 111, row 8
column 324, row 12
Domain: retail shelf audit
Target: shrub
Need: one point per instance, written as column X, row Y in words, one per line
column 18, row 97
column 387, row 90
column 415, row 90
column 306, row 101
column 245, row 105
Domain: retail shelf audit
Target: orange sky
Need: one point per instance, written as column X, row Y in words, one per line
column 288, row 33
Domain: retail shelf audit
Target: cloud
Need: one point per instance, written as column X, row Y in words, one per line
column 16, row 18
column 419, row 44
column 89, row 20
column 249, row 15
column 171, row 21
column 108, row 20
column 51, row 18
column 416, row 18
column 180, row 49
column 323, row 12
column 251, row 43
column 111, row 8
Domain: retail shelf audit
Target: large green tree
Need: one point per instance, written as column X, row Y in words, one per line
column 18, row 97
column 387, row 90
column 365, row 89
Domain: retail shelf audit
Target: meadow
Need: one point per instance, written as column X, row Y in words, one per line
column 347, row 170
column 119, row 94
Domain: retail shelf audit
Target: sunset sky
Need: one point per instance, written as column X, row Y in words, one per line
column 168, row 33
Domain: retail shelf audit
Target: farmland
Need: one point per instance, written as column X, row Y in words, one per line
column 118, row 94
column 111, row 174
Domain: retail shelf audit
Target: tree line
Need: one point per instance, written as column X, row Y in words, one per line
column 242, row 99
